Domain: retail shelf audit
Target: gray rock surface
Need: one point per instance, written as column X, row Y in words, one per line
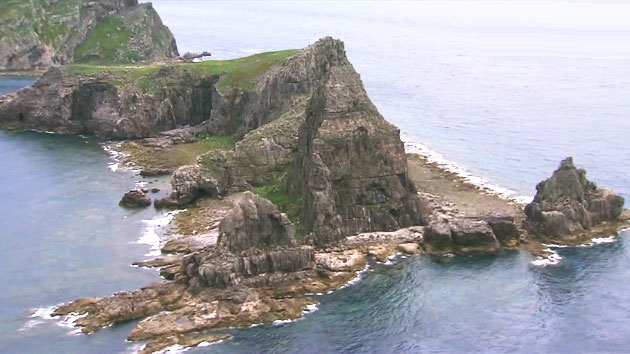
column 255, row 238
column 189, row 183
column 135, row 199
column 351, row 166
column 255, row 224
column 460, row 235
column 567, row 203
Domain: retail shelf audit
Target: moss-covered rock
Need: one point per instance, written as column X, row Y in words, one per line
column 38, row 34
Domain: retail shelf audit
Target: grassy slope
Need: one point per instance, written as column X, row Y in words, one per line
column 239, row 73
column 22, row 17
column 107, row 40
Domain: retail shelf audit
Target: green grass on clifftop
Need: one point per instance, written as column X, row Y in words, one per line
column 236, row 73
column 275, row 192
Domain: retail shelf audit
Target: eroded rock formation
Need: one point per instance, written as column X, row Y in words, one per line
column 567, row 203
column 255, row 238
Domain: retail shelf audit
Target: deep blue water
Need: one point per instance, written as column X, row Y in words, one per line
column 504, row 89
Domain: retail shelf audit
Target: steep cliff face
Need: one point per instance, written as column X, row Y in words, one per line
column 67, row 102
column 38, row 34
column 351, row 165
column 567, row 203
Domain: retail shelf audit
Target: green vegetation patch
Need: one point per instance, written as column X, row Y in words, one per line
column 237, row 73
column 275, row 191
column 107, row 42
column 176, row 155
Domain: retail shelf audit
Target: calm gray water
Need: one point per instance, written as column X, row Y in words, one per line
column 504, row 89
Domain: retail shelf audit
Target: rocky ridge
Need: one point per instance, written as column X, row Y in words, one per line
column 38, row 34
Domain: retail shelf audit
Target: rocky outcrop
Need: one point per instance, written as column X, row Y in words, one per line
column 469, row 235
column 135, row 199
column 351, row 166
column 255, row 238
column 36, row 35
column 567, row 204
column 188, row 183
column 63, row 102
column 255, row 224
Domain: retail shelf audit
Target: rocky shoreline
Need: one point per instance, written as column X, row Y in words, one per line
column 291, row 181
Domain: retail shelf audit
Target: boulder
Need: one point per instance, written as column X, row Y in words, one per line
column 135, row 199
column 460, row 235
column 189, row 183
column 473, row 236
column 409, row 248
column 437, row 236
column 504, row 229
column 255, row 238
column 255, row 223
column 567, row 204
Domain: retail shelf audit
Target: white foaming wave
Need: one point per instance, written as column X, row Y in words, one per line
column 599, row 241
column 114, row 155
column 113, row 166
column 173, row 349
column 42, row 314
column 414, row 147
column 390, row 259
column 39, row 315
column 150, row 235
column 552, row 259
column 310, row 308
column 356, row 279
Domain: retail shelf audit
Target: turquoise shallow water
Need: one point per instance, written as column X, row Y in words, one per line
column 504, row 92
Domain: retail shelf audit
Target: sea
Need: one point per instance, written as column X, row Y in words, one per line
column 499, row 91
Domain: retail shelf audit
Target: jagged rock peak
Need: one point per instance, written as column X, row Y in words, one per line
column 567, row 203
column 352, row 167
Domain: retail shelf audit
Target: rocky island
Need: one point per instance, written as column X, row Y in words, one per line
column 292, row 180
column 39, row 34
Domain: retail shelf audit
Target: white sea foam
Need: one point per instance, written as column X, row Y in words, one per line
column 69, row 321
column 552, row 259
column 599, row 240
column 282, row 322
column 43, row 314
column 310, row 308
column 150, row 235
column 174, row 349
column 356, row 279
column 39, row 315
column 113, row 166
column 414, row 147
